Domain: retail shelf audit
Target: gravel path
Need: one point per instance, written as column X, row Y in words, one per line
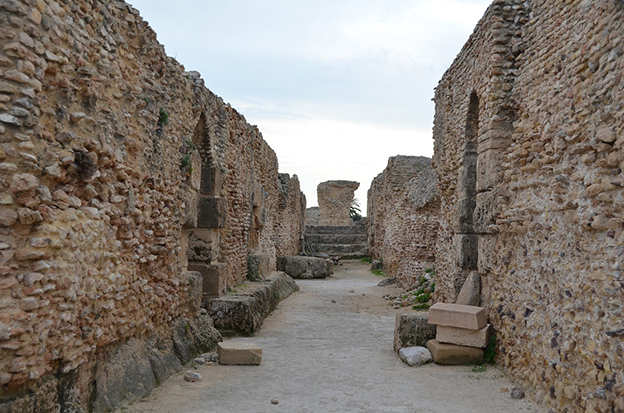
column 328, row 348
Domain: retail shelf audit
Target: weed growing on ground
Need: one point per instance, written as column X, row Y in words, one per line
column 379, row 273
column 421, row 307
column 479, row 368
column 366, row 260
column 489, row 353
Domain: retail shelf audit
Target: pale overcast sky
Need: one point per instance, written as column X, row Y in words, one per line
column 335, row 86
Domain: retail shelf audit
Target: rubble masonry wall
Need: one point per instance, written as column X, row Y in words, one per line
column 529, row 138
column 112, row 158
column 402, row 211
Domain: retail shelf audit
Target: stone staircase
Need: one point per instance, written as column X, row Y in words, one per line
column 343, row 241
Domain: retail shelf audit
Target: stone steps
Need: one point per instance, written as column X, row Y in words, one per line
column 337, row 238
column 342, row 241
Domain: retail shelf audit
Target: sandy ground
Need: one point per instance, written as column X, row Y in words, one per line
column 328, row 348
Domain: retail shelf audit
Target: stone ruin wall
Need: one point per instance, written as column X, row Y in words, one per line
column 533, row 107
column 402, row 210
column 334, row 199
column 113, row 160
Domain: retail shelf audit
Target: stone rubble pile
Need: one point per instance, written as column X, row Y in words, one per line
column 461, row 335
column 419, row 297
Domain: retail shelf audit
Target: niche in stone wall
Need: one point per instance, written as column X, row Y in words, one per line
column 467, row 239
column 204, row 238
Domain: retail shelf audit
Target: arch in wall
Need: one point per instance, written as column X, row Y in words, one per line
column 211, row 209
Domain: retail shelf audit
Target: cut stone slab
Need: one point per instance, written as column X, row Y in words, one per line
column 415, row 356
column 457, row 315
column 463, row 337
column 245, row 311
column 300, row 267
column 470, row 293
column 239, row 353
column 412, row 329
column 450, row 354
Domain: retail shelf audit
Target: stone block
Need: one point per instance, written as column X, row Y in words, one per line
column 238, row 353
column 212, row 212
column 488, row 169
column 463, row 337
column 412, row 330
column 300, row 267
column 483, row 216
column 451, row 354
column 211, row 180
column 456, row 315
column 244, row 312
column 470, row 293
column 415, row 356
column 203, row 245
column 258, row 266
column 466, row 250
column 194, row 281
column 213, row 277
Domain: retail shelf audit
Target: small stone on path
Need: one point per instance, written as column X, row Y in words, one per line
column 192, row 376
column 517, row 393
column 274, row 401
column 415, row 356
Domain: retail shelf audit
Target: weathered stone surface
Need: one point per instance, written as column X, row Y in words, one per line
column 214, row 278
column 239, row 353
column 387, row 281
column 415, row 356
column 402, row 209
column 244, row 311
column 470, row 293
column 451, row 354
column 456, row 315
column 300, row 267
column 463, row 337
column 412, row 330
column 334, row 198
column 125, row 374
column 192, row 337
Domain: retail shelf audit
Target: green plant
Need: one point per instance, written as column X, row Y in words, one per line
column 423, row 298
column 489, row 353
column 185, row 161
column 479, row 368
column 380, row 273
column 354, row 211
column 421, row 306
column 366, row 260
column 190, row 144
column 163, row 117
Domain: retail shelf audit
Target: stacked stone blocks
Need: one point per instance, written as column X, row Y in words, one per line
column 461, row 333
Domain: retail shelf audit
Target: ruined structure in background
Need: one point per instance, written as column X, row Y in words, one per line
column 329, row 227
column 119, row 171
column 403, row 204
column 529, row 152
column 334, row 199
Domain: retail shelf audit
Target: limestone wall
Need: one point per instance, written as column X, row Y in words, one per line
column 334, row 199
column 528, row 152
column 402, row 210
column 117, row 167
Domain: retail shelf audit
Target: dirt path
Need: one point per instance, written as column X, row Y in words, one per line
column 328, row 348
